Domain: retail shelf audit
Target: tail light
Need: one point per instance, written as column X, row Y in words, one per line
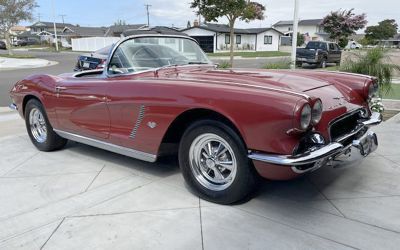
column 102, row 64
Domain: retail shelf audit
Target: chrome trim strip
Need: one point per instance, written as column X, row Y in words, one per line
column 290, row 160
column 138, row 121
column 13, row 106
column 108, row 146
column 87, row 72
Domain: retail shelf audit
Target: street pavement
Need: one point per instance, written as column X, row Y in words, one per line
column 66, row 63
column 86, row 198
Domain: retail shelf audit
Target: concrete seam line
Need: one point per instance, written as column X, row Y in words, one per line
column 44, row 244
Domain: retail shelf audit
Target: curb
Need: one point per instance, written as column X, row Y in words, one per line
column 50, row 63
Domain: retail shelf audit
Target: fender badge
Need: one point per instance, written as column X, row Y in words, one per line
column 152, row 124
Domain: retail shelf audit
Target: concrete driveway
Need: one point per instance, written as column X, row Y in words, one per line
column 86, row 198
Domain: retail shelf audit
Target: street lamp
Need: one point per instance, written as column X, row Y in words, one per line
column 294, row 34
column 54, row 24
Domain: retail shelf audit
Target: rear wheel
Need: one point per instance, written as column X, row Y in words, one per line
column 322, row 64
column 39, row 129
column 214, row 162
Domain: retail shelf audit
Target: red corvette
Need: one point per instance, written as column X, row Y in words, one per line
column 160, row 94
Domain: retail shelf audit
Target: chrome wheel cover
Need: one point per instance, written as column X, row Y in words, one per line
column 37, row 125
column 212, row 161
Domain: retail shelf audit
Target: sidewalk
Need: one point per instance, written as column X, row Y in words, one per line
column 21, row 63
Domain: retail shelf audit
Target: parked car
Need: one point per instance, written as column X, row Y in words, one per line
column 3, row 45
column 95, row 60
column 160, row 94
column 319, row 53
column 353, row 45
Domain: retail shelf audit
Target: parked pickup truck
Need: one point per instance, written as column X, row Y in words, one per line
column 319, row 53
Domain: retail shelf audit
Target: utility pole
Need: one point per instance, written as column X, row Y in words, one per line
column 294, row 35
column 54, row 25
column 39, row 15
column 62, row 17
column 147, row 10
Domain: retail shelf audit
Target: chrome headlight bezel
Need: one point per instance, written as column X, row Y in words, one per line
column 373, row 89
column 316, row 112
column 305, row 116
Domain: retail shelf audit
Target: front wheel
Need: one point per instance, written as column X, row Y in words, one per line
column 214, row 162
column 39, row 128
column 323, row 63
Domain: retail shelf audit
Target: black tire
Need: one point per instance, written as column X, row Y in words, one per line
column 52, row 141
column 245, row 179
column 299, row 65
column 322, row 64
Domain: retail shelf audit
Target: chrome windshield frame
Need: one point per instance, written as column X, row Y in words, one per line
column 116, row 45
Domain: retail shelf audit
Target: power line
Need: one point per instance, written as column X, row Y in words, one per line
column 147, row 10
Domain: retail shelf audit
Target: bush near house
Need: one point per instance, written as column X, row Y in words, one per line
column 252, row 54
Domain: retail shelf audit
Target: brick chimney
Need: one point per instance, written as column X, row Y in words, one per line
column 195, row 23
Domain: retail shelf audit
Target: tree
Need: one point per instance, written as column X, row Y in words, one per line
column 341, row 24
column 300, row 39
column 233, row 10
column 11, row 13
column 188, row 25
column 120, row 22
column 384, row 30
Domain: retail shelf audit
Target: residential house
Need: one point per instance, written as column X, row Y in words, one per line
column 310, row 28
column 393, row 42
column 118, row 30
column 214, row 37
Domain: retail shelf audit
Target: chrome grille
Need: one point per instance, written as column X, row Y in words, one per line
column 344, row 125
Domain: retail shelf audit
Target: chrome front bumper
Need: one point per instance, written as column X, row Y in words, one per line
column 335, row 153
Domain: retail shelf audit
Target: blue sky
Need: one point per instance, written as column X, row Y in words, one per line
column 178, row 12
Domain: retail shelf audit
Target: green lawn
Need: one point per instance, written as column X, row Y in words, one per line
column 17, row 56
column 394, row 93
column 252, row 54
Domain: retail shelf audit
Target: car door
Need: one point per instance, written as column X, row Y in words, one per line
column 81, row 107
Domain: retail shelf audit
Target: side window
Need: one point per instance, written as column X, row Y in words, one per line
column 119, row 63
column 332, row 46
column 227, row 39
column 238, row 39
column 267, row 39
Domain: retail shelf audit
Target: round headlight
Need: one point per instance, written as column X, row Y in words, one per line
column 316, row 112
column 373, row 89
column 305, row 117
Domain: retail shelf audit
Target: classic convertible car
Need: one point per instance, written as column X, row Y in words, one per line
column 159, row 94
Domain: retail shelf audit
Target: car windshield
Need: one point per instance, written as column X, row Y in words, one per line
column 316, row 45
column 144, row 53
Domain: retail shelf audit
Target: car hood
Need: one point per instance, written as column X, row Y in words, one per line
column 285, row 80
column 304, row 83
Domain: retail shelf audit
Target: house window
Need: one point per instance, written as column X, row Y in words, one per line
column 227, row 39
column 238, row 39
column 267, row 39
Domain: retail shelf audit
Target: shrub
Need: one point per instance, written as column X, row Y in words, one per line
column 278, row 65
column 224, row 65
column 374, row 62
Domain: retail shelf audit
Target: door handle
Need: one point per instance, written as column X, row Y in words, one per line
column 59, row 88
